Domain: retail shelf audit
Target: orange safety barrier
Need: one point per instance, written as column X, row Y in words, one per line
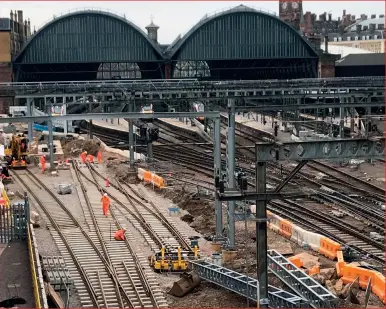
column 341, row 263
column 286, row 228
column 379, row 286
column 296, row 261
column 350, row 273
column 147, row 176
column 329, row 248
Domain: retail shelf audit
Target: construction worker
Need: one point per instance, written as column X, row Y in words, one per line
column 43, row 163
column 90, row 158
column 105, row 204
column 83, row 156
column 120, row 234
column 99, row 157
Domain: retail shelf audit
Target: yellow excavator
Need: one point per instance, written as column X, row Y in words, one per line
column 175, row 261
column 16, row 152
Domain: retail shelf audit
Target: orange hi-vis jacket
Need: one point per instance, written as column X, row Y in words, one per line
column 90, row 158
column 99, row 157
column 105, row 202
column 83, row 156
column 119, row 235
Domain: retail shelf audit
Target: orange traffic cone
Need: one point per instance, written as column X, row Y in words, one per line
column 107, row 182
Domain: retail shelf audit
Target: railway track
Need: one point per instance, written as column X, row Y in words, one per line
column 330, row 227
column 202, row 163
column 101, row 276
column 153, row 221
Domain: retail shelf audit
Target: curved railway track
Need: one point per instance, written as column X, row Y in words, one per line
column 102, row 278
column 201, row 162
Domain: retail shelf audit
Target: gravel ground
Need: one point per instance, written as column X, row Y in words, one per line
column 45, row 242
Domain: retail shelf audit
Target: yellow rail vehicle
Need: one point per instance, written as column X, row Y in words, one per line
column 16, row 151
column 176, row 261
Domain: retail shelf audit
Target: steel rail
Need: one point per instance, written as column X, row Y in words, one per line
column 139, row 219
column 140, row 271
column 105, row 260
column 118, row 285
column 64, row 239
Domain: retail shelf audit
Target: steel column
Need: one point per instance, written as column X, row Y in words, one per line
column 50, row 135
column 297, row 120
column 65, row 122
column 261, row 234
column 150, row 151
column 217, row 172
column 90, row 123
column 352, row 119
column 30, row 123
column 231, row 149
column 131, row 134
column 341, row 123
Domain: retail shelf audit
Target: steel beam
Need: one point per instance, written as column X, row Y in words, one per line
column 99, row 116
column 231, row 150
column 237, row 283
column 299, row 282
column 372, row 148
column 261, row 234
column 290, row 176
column 254, row 196
column 217, row 172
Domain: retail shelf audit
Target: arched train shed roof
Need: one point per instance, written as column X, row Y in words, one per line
column 240, row 33
column 89, row 36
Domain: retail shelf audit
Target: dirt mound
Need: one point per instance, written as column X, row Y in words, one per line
column 76, row 147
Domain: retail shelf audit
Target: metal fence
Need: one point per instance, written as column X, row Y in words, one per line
column 13, row 222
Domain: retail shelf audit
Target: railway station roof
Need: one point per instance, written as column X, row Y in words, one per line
column 97, row 36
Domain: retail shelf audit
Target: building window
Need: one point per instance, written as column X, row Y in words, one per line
column 348, row 38
column 363, row 38
column 339, row 39
column 367, row 37
column 356, row 38
column 375, row 37
column 335, row 39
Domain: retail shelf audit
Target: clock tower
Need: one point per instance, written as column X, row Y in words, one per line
column 290, row 12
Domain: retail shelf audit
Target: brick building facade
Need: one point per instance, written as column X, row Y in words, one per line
column 14, row 32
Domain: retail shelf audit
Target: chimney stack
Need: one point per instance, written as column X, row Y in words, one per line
column 152, row 32
column 359, row 28
column 372, row 28
column 344, row 12
column 329, row 17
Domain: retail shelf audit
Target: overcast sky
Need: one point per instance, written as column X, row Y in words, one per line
column 175, row 17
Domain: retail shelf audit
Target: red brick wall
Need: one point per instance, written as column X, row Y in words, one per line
column 5, row 76
column 5, row 72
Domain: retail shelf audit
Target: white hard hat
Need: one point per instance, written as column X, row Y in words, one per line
column 105, row 194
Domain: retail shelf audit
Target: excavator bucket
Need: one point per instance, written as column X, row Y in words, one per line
column 19, row 165
column 186, row 284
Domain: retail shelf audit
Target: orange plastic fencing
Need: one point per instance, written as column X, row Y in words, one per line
column 350, row 273
column 329, row 248
column 286, row 228
column 150, row 177
column 341, row 263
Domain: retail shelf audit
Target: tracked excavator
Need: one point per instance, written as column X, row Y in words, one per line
column 16, row 152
